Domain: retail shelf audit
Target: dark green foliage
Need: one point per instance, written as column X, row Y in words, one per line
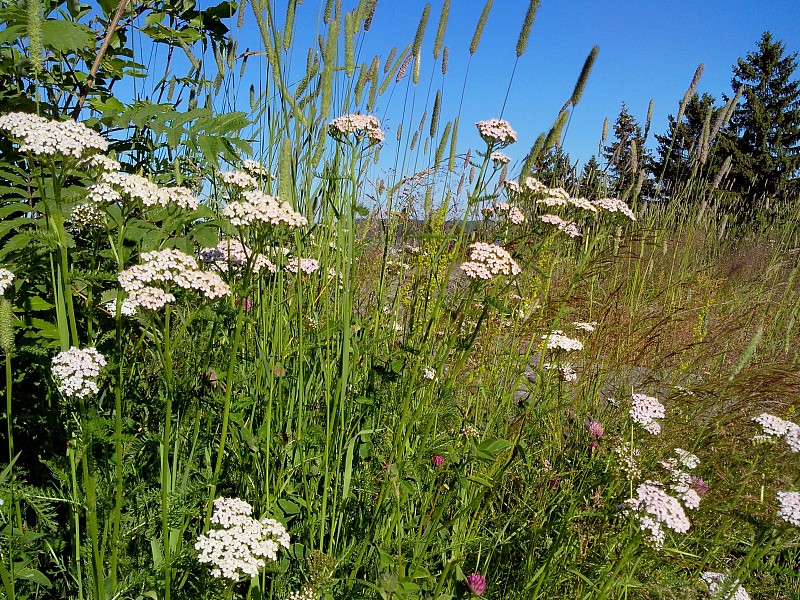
column 626, row 155
column 764, row 134
column 679, row 148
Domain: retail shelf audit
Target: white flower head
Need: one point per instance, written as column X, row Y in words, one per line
column 168, row 267
column 42, row 137
column 358, row 125
column 556, row 340
column 496, row 131
column 655, row 509
column 645, row 410
column 487, row 261
column 6, row 277
column 240, row 544
column 720, row 589
column 789, row 510
column 76, row 371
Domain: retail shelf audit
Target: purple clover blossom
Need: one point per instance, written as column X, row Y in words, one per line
column 476, row 583
column 700, row 486
column 437, row 461
column 596, row 430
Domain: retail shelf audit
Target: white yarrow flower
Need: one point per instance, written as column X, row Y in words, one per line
column 644, row 411
column 240, row 544
column 76, row 371
column 6, row 277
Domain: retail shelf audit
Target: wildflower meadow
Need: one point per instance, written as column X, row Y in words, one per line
column 276, row 347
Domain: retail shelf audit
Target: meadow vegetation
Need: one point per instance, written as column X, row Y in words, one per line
column 243, row 357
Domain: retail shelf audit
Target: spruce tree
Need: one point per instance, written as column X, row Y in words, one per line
column 763, row 138
column 680, row 148
column 626, row 155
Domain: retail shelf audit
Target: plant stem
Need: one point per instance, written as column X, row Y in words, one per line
column 165, row 483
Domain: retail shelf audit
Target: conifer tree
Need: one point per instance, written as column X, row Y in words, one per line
column 626, row 155
column 763, row 138
column 680, row 148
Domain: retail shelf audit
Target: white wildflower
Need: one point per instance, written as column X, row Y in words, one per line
column 644, row 410
column 720, row 589
column 258, row 207
column 76, row 371
column 789, row 510
column 43, row 137
column 556, row 340
column 614, row 205
column 587, row 327
column 655, row 508
column 358, row 125
column 168, row 266
column 255, row 168
column 6, row 277
column 496, row 131
column 127, row 309
column 87, row 216
column 487, row 261
column 238, row 179
column 241, row 544
column 500, row 158
column 302, row 265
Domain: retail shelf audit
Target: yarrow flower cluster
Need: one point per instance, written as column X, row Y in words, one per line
column 428, row 373
column 127, row 309
column 686, row 486
column 500, row 158
column 645, row 410
column 165, row 267
column 307, row 593
column 241, row 544
column 238, row 179
column 614, row 205
column 628, row 459
column 504, row 209
column 76, row 371
column 43, row 137
column 720, row 589
column 568, row 227
column 556, row 340
column 254, row 168
column 87, row 216
column 496, row 131
column 258, row 207
column 789, row 510
column 773, row 427
column 302, row 265
column 587, row 327
column 655, row 509
column 114, row 187
column 358, row 125
column 566, row 371
column 487, row 261
column 231, row 254
column 6, row 277
column 101, row 162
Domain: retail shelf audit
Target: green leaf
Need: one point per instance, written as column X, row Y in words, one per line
column 66, row 36
column 288, row 507
column 33, row 575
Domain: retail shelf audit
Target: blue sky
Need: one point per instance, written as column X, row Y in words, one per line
column 648, row 49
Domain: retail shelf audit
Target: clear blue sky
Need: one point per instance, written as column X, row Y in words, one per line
column 648, row 49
